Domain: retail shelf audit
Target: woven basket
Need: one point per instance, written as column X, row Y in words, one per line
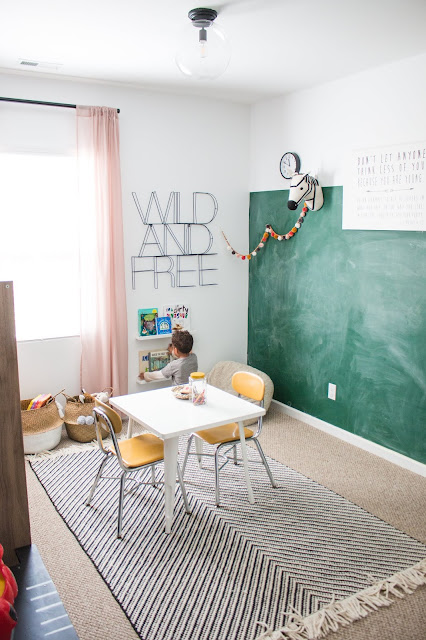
column 80, row 432
column 40, row 420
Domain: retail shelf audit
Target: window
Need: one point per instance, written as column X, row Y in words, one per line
column 39, row 242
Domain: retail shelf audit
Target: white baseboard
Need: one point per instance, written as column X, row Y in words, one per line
column 357, row 441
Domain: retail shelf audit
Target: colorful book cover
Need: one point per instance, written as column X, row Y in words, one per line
column 179, row 316
column 39, row 401
column 163, row 324
column 143, row 361
column 146, row 322
column 158, row 360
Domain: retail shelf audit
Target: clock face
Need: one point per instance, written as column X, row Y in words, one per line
column 289, row 164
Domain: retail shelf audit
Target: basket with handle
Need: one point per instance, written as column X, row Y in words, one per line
column 40, row 420
column 73, row 409
column 108, row 391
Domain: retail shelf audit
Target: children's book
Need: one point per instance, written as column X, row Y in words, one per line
column 163, row 324
column 143, row 361
column 39, row 401
column 146, row 322
column 179, row 316
column 158, row 360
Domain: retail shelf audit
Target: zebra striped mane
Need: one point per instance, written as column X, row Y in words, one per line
column 311, row 180
column 305, row 176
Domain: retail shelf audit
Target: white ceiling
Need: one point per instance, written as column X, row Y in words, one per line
column 278, row 46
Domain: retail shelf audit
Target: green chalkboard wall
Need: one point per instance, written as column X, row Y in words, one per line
column 347, row 307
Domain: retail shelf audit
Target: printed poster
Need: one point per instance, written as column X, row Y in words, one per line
column 385, row 188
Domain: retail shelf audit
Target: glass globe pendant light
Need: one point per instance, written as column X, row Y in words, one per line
column 204, row 52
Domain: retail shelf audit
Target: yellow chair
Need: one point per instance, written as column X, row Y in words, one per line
column 134, row 454
column 245, row 384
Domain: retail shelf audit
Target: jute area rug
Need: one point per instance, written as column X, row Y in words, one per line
column 300, row 562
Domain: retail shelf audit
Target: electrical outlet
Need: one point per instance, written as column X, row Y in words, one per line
column 331, row 391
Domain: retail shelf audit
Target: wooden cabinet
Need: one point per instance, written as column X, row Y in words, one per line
column 14, row 516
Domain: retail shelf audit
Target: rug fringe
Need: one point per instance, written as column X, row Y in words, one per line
column 62, row 451
column 344, row 612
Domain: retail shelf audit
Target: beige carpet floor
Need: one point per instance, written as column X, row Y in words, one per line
column 382, row 488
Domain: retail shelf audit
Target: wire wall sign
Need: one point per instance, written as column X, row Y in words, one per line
column 175, row 245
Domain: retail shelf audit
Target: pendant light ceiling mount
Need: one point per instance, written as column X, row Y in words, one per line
column 202, row 17
column 204, row 54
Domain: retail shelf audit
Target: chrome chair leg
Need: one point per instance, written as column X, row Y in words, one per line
column 98, row 475
column 153, row 480
column 185, row 460
column 120, row 503
column 216, row 471
column 265, row 463
column 182, row 488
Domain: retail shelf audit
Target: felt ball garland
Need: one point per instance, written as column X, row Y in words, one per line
column 269, row 232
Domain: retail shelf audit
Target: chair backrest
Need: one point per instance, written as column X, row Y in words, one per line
column 107, row 418
column 249, row 384
column 112, row 415
column 221, row 376
column 102, row 419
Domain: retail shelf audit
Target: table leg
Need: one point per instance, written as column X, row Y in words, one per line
column 130, row 428
column 199, row 451
column 170, row 464
column 245, row 462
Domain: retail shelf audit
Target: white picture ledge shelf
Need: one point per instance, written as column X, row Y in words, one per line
column 157, row 337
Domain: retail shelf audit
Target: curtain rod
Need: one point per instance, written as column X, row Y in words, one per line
column 49, row 104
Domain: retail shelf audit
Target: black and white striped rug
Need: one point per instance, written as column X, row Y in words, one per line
column 224, row 570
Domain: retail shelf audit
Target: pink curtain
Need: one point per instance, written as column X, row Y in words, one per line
column 104, row 358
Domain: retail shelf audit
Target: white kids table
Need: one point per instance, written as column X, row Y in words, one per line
column 168, row 418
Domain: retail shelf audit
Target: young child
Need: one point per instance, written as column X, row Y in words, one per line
column 179, row 369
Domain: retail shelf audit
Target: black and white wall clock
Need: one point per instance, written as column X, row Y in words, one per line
column 289, row 164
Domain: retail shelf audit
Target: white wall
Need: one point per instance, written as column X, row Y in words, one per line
column 168, row 143
column 386, row 105
column 49, row 365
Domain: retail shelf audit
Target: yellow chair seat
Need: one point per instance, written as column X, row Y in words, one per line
column 225, row 433
column 140, row 450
